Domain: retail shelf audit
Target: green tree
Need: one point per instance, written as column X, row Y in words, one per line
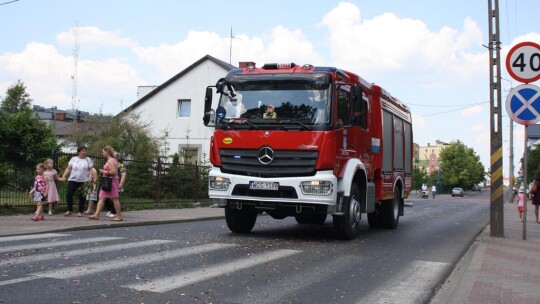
column 20, row 128
column 16, row 100
column 419, row 177
column 460, row 166
column 533, row 163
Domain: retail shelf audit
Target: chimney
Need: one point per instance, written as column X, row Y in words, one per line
column 245, row 64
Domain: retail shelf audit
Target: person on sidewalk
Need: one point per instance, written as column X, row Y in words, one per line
column 51, row 177
column 39, row 192
column 91, row 192
column 79, row 173
column 536, row 196
column 109, row 169
column 111, row 213
column 520, row 202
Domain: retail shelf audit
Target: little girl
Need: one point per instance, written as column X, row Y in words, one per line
column 91, row 193
column 52, row 177
column 520, row 202
column 39, row 192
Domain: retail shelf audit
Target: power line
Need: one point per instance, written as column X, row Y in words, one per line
column 447, row 106
column 450, row 111
column 8, row 2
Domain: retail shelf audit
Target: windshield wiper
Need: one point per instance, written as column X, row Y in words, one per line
column 297, row 122
column 233, row 122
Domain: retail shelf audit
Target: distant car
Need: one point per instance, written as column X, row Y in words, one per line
column 476, row 188
column 457, row 192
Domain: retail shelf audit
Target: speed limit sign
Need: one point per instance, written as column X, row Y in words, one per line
column 523, row 62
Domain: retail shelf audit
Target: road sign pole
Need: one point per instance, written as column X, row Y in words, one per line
column 497, row 187
column 525, row 182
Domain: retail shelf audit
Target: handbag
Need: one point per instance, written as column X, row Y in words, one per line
column 106, row 183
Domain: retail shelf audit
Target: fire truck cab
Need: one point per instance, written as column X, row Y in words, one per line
column 308, row 142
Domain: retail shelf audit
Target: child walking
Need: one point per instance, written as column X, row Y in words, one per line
column 520, row 202
column 39, row 192
column 91, row 191
column 51, row 176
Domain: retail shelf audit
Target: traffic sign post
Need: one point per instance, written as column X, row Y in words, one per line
column 523, row 107
column 523, row 62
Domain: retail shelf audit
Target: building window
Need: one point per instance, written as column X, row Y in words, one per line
column 184, row 108
column 189, row 155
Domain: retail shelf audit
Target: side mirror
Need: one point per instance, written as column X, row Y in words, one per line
column 208, row 106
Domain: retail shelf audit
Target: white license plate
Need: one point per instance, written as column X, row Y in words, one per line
column 263, row 185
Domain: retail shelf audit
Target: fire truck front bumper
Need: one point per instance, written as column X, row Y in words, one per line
column 318, row 189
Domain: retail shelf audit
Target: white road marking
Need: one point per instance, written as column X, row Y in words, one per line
column 30, row 237
column 82, row 270
column 411, row 286
column 57, row 244
column 172, row 282
column 123, row 262
column 79, row 252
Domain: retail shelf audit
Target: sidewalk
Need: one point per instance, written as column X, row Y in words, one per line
column 21, row 224
column 498, row 270
column 494, row 270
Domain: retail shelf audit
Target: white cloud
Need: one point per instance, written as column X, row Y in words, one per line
column 92, row 37
column 418, row 122
column 47, row 76
column 472, row 111
column 388, row 42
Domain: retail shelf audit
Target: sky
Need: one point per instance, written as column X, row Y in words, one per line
column 429, row 54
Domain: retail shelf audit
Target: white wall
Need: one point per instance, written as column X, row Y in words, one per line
column 162, row 109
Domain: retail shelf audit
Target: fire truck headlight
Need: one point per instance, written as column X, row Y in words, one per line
column 218, row 183
column 316, row 187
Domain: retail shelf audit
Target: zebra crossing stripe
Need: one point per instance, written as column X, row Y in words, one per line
column 93, row 268
column 413, row 285
column 172, row 282
column 31, row 237
column 79, row 252
column 57, row 244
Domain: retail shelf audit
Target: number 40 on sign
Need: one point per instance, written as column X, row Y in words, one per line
column 523, row 62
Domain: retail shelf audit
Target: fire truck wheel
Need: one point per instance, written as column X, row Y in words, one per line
column 350, row 221
column 390, row 211
column 240, row 221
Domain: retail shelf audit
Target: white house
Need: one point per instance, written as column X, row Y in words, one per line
column 175, row 108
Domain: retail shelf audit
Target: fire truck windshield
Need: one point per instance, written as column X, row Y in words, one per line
column 286, row 104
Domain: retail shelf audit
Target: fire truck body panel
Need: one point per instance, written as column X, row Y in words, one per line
column 308, row 141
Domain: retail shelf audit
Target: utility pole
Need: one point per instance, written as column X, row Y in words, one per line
column 497, row 187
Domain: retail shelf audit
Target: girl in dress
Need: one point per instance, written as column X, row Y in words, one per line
column 51, row 176
column 39, row 192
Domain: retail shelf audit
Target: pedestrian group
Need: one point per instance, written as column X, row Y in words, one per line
column 80, row 175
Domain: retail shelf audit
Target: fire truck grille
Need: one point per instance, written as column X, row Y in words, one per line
column 286, row 163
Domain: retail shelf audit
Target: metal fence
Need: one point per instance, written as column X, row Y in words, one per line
column 148, row 183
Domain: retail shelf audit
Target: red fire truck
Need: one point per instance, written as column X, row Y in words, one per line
column 308, row 141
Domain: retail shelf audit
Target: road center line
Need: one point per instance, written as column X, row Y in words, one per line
column 172, row 282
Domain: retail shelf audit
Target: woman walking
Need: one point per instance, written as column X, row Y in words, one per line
column 110, row 169
column 79, row 173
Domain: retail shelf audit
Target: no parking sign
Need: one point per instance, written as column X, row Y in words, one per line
column 523, row 104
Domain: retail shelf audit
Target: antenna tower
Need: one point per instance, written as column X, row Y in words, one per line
column 74, row 103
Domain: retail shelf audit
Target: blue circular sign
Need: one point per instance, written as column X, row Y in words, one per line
column 523, row 104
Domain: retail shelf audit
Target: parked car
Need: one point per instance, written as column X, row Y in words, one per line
column 456, row 191
column 476, row 188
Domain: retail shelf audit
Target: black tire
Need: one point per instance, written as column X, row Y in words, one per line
column 240, row 221
column 390, row 211
column 374, row 219
column 349, row 223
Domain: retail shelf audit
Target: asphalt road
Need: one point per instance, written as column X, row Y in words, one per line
column 279, row 262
